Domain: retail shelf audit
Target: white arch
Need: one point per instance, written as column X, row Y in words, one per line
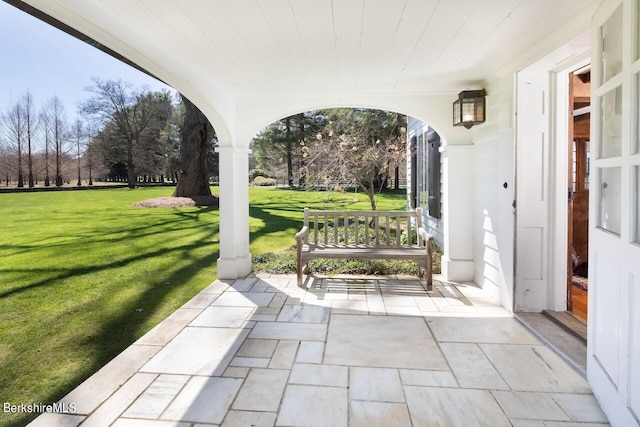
column 434, row 109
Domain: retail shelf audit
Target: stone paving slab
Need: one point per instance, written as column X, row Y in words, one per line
column 347, row 351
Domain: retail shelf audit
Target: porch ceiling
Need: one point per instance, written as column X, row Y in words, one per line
column 252, row 49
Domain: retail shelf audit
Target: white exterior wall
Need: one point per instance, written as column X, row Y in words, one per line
column 493, row 219
column 480, row 248
column 457, row 201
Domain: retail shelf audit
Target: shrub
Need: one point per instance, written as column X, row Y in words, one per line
column 253, row 173
column 285, row 263
column 261, row 181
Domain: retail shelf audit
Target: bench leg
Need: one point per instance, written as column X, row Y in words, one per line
column 299, row 273
column 429, row 266
column 426, row 273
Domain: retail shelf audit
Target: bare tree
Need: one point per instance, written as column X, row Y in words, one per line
column 30, row 124
column 359, row 147
column 46, row 129
column 78, row 135
column 129, row 113
column 15, row 133
column 5, row 159
column 93, row 135
column 57, row 128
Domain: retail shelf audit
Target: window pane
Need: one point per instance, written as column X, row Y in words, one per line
column 587, row 165
column 611, row 129
column 612, row 46
column 636, row 148
column 610, row 202
column 637, row 210
column 637, row 32
column 422, row 170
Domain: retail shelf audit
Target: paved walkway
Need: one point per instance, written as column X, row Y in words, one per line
column 346, row 352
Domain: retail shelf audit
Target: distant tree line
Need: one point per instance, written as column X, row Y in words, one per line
column 122, row 134
column 334, row 148
column 132, row 135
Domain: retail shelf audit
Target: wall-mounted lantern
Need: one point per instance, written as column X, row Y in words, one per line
column 468, row 109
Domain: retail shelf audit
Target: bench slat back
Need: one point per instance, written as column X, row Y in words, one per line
column 363, row 228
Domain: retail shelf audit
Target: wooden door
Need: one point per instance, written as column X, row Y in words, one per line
column 578, row 191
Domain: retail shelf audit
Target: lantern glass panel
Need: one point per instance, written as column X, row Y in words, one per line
column 457, row 112
column 468, row 110
column 479, row 111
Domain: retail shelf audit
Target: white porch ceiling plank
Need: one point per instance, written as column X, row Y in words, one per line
column 314, row 20
column 527, row 24
column 217, row 34
column 485, row 19
column 447, row 21
column 378, row 58
column 347, row 22
column 416, row 16
column 261, row 48
column 335, row 49
column 107, row 23
column 184, row 42
column 280, row 20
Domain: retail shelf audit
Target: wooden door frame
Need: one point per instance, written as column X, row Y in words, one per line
column 561, row 136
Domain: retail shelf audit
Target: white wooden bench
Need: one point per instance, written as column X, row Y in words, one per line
column 365, row 235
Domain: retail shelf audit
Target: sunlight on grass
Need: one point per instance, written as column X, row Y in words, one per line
column 84, row 274
column 277, row 214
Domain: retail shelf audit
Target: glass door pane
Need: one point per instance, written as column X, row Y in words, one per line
column 637, row 25
column 610, row 201
column 637, row 209
column 636, row 147
column 612, row 46
column 611, row 129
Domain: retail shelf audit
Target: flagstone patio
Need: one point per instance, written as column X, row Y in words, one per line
column 368, row 351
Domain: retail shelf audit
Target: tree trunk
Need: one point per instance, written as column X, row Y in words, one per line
column 302, row 182
column 370, row 189
column 195, row 146
column 132, row 178
column 288, row 151
column 29, row 157
column 20, row 177
column 47, row 182
column 396, row 180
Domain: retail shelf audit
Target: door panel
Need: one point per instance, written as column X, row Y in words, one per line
column 532, row 270
column 634, row 346
column 607, row 325
column 532, row 148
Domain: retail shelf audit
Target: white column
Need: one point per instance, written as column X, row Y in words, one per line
column 235, row 259
column 457, row 177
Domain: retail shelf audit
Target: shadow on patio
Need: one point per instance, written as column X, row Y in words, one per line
column 363, row 351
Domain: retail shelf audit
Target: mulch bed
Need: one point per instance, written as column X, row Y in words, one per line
column 178, row 202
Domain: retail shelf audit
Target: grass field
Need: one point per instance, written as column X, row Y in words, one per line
column 83, row 274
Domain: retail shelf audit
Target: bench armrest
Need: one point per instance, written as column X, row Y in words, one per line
column 425, row 236
column 302, row 234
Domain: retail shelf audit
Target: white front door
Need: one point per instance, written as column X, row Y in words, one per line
column 614, row 256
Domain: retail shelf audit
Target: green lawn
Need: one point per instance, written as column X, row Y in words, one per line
column 83, row 274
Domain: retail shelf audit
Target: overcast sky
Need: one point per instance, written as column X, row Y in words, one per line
column 37, row 57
